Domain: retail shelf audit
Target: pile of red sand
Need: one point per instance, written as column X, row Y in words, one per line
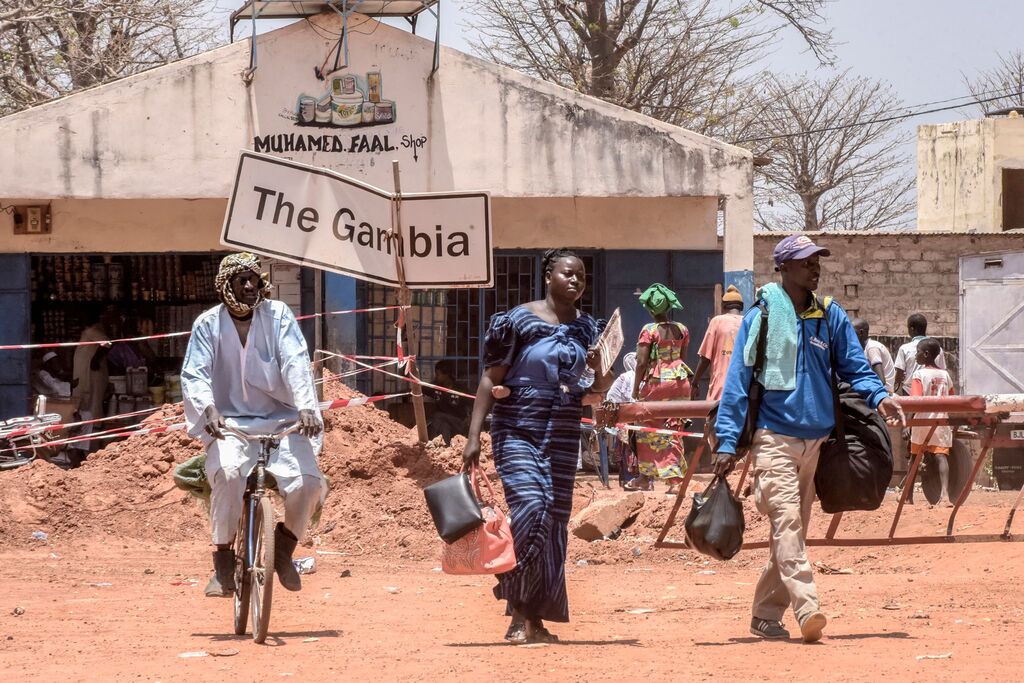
column 125, row 489
column 376, row 506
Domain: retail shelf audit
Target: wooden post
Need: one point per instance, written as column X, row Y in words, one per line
column 405, row 299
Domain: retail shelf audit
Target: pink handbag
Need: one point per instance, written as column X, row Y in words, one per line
column 487, row 549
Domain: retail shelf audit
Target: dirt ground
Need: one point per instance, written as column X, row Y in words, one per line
column 114, row 592
column 105, row 609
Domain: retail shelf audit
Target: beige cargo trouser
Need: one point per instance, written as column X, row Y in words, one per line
column 784, row 491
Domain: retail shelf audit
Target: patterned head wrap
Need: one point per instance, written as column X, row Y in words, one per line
column 658, row 299
column 230, row 266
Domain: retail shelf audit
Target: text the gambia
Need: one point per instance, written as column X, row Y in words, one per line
column 322, row 219
column 346, row 226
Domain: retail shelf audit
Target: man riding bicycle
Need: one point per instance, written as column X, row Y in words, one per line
column 247, row 366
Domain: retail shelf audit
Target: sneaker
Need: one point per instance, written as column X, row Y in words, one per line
column 771, row 630
column 812, row 626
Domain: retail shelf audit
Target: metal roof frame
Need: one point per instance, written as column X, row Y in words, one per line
column 302, row 9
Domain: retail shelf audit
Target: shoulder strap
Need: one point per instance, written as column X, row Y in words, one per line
column 836, row 407
column 762, row 340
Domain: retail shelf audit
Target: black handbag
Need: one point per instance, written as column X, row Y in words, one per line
column 453, row 507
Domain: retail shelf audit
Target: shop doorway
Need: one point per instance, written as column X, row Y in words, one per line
column 14, row 307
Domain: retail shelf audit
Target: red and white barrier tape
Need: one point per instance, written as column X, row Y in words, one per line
column 36, row 429
column 404, row 378
column 133, row 430
column 332, row 376
column 653, row 430
column 166, row 335
column 61, row 345
column 354, row 310
column 349, row 402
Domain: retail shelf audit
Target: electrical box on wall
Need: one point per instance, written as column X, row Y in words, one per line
column 32, row 220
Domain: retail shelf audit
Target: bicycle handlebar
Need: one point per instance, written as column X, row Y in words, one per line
column 257, row 437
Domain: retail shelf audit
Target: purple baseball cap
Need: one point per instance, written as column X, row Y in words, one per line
column 796, row 247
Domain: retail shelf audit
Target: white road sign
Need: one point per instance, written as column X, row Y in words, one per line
column 315, row 217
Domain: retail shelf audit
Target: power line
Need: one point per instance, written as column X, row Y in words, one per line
column 884, row 119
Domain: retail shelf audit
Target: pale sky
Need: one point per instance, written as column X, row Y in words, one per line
column 919, row 46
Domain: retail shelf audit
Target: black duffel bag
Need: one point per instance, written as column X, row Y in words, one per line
column 715, row 524
column 855, row 465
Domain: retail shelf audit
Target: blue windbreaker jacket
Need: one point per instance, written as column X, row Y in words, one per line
column 806, row 412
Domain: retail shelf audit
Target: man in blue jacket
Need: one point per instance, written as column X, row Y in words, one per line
column 795, row 418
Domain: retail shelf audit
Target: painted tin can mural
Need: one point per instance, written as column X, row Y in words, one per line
column 350, row 101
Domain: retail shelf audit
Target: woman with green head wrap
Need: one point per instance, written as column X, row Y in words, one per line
column 661, row 375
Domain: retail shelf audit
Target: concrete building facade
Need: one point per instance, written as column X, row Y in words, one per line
column 144, row 165
column 970, row 175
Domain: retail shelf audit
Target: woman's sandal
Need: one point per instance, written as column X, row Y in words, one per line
column 542, row 635
column 516, row 633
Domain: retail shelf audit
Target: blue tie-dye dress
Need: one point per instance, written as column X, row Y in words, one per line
column 535, row 434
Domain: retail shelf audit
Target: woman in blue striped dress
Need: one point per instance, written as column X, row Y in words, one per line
column 540, row 352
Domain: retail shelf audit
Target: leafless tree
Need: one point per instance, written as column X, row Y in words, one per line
column 52, row 47
column 834, row 167
column 676, row 60
column 1005, row 81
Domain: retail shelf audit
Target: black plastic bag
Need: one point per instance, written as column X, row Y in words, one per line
column 855, row 465
column 715, row 524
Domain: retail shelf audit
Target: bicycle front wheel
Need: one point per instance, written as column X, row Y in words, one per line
column 262, row 568
column 243, row 577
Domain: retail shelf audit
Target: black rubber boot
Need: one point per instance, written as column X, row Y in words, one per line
column 222, row 583
column 284, row 547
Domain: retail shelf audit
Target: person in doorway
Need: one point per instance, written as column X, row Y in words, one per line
column 906, row 363
column 931, row 380
column 130, row 354
column 247, row 367
column 48, row 380
column 451, row 411
column 661, row 375
column 539, row 351
column 877, row 354
column 716, row 349
column 90, row 372
column 794, row 419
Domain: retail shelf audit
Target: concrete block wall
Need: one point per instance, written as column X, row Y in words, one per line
column 884, row 277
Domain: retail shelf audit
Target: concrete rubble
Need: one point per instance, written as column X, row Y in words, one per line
column 605, row 518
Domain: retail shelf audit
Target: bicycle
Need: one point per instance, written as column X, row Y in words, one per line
column 254, row 542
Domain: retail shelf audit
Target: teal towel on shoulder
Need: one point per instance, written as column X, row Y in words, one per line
column 780, row 351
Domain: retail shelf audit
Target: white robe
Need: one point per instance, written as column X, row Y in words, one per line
column 259, row 387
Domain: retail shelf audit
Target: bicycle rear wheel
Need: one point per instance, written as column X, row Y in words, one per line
column 243, row 577
column 262, row 568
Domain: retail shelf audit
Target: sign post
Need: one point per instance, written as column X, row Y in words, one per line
column 405, row 301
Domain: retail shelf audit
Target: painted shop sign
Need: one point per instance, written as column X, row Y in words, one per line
column 315, row 217
column 326, row 120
